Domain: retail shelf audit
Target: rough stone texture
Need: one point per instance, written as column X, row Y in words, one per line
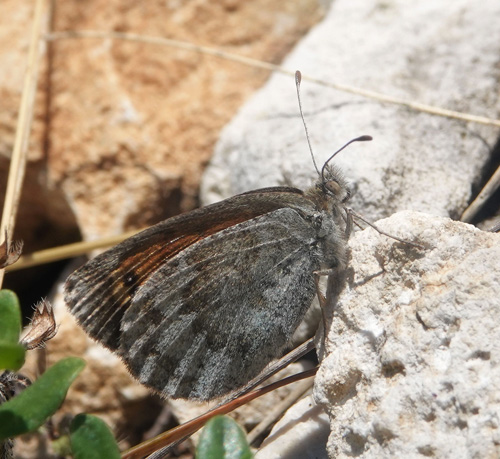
column 412, row 367
column 439, row 53
column 436, row 52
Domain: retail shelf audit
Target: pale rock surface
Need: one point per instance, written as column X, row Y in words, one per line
column 412, row 360
column 435, row 52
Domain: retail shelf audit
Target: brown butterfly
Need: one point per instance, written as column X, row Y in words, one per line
column 199, row 304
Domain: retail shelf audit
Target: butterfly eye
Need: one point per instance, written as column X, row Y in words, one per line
column 334, row 188
column 340, row 192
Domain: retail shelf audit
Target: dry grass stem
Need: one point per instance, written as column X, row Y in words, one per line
column 23, row 129
column 275, row 68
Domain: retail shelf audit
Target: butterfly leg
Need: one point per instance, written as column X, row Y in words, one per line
column 378, row 230
column 321, row 296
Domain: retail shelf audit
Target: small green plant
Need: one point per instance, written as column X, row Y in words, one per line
column 31, row 408
column 91, row 439
column 11, row 351
column 223, row 438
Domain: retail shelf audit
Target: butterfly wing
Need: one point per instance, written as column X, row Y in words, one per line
column 212, row 318
column 197, row 305
column 101, row 291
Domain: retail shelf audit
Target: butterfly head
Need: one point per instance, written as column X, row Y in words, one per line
column 334, row 184
column 331, row 181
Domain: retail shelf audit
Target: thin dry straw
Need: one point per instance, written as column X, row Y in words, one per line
column 67, row 251
column 272, row 67
column 491, row 186
column 23, row 129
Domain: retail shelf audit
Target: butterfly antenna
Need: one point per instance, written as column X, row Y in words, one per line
column 363, row 138
column 298, row 79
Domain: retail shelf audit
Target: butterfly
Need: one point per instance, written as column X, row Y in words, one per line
column 199, row 304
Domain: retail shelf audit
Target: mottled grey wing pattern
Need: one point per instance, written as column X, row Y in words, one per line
column 198, row 304
column 207, row 322
column 100, row 292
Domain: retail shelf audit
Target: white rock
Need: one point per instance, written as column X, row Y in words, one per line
column 413, row 361
column 435, row 52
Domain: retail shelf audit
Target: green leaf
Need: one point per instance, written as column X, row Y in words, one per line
column 11, row 356
column 31, row 408
column 10, row 317
column 222, row 438
column 91, row 438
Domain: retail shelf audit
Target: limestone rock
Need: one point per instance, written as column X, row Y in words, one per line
column 439, row 53
column 412, row 361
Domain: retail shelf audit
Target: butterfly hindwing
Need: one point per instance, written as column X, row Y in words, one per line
column 207, row 322
column 101, row 291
